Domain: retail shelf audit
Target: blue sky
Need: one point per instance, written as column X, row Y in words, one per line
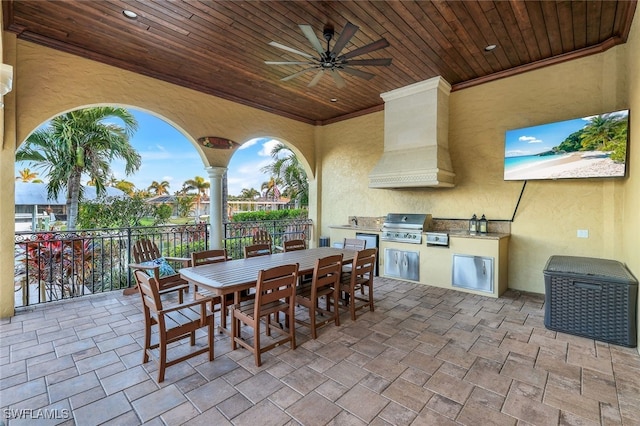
column 537, row 139
column 168, row 155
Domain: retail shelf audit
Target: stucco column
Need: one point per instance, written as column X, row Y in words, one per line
column 216, row 235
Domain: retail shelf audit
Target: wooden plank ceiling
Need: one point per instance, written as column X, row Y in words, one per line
column 219, row 47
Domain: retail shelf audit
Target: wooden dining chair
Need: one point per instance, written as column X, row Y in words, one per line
column 206, row 257
column 361, row 277
column 351, row 244
column 262, row 236
column 173, row 323
column 147, row 257
column 354, row 244
column 325, row 283
column 293, row 245
column 255, row 250
column 275, row 293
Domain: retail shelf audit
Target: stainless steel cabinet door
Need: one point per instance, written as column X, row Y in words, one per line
column 473, row 272
column 402, row 264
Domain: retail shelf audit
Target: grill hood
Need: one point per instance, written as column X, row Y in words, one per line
column 416, row 145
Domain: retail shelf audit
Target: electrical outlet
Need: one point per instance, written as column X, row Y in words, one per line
column 583, row 233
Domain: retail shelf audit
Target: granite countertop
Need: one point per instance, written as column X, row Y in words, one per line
column 356, row 228
column 452, row 233
column 487, row 236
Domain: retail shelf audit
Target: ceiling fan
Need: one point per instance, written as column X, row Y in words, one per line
column 330, row 60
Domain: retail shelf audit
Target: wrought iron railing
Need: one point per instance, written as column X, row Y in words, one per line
column 240, row 234
column 57, row 265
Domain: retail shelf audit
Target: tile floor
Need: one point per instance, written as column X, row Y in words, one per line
column 426, row 356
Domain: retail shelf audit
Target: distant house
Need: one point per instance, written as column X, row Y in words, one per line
column 34, row 207
column 172, row 201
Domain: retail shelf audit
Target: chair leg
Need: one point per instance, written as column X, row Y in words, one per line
column 256, row 341
column 211, row 328
column 352, row 307
column 192, row 338
column 292, row 326
column 235, row 331
column 336, row 307
column 163, row 359
column 147, row 345
column 312, row 319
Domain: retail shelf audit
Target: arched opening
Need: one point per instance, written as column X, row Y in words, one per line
column 266, row 174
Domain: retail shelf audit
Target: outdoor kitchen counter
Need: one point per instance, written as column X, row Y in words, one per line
column 355, row 228
column 487, row 236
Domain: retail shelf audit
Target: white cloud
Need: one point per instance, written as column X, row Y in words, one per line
column 529, row 139
column 267, row 147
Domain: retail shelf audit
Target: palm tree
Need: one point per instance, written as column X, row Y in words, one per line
column 81, row 142
column 160, row 188
column 26, row 175
column 125, row 186
column 249, row 193
column 599, row 131
column 288, row 169
column 200, row 185
column 270, row 187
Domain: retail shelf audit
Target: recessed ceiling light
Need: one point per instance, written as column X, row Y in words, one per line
column 334, row 100
column 490, row 47
column 130, row 14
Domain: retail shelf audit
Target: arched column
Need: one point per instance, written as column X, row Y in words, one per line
column 216, row 234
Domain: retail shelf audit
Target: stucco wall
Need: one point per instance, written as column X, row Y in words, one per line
column 550, row 212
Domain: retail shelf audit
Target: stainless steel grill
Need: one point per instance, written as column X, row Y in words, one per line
column 405, row 227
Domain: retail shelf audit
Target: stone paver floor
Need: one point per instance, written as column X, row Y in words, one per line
column 426, row 356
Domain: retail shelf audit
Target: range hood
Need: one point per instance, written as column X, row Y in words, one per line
column 416, row 145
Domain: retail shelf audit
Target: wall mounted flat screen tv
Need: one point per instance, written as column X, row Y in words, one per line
column 588, row 147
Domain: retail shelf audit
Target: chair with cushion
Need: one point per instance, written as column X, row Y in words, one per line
column 174, row 323
column 254, row 250
column 147, row 257
column 325, row 283
column 361, row 277
column 275, row 293
column 293, row 245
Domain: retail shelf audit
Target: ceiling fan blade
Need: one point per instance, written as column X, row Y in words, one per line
column 376, row 45
column 370, row 62
column 290, row 49
column 338, row 79
column 316, row 78
column 312, row 37
column 294, row 75
column 358, row 73
column 347, row 32
column 288, row 63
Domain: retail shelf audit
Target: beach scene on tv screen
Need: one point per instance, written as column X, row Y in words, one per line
column 587, row 147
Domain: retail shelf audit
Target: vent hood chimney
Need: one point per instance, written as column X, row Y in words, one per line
column 416, row 145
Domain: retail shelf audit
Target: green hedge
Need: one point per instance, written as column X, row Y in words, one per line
column 270, row 215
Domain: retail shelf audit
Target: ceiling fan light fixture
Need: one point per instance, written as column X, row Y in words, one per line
column 331, row 59
column 130, row 14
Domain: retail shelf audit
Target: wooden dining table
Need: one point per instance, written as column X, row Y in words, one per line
column 233, row 276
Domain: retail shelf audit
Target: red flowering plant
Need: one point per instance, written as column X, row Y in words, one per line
column 61, row 267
